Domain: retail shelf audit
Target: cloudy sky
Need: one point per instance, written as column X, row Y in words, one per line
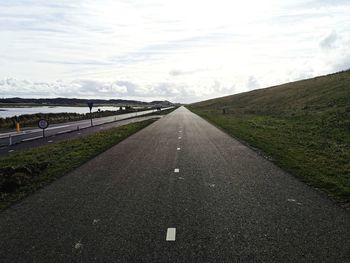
column 183, row 50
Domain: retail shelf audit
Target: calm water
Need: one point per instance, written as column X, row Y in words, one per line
column 11, row 112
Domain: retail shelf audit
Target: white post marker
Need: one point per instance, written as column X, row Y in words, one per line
column 177, row 170
column 170, row 234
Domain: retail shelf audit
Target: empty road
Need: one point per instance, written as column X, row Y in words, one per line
column 180, row 190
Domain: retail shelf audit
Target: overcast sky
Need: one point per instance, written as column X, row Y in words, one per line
column 178, row 50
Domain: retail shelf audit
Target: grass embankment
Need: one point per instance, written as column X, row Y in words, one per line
column 304, row 126
column 24, row 172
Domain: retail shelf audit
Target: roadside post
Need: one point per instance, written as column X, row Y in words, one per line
column 18, row 127
column 90, row 104
column 43, row 124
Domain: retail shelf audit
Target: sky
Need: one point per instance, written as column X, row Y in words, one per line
column 182, row 51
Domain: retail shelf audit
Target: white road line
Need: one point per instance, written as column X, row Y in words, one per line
column 10, row 151
column 61, row 132
column 57, row 127
column 177, row 170
column 178, row 148
column 170, row 234
column 50, row 141
column 33, row 138
column 179, row 138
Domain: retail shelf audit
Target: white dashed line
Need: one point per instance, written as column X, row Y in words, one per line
column 170, row 234
column 61, row 132
column 177, row 170
column 31, row 139
column 10, row 151
column 50, row 141
column 178, row 148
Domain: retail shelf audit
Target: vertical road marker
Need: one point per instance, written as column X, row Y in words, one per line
column 170, row 234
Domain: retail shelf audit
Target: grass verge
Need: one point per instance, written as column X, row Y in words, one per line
column 25, row 172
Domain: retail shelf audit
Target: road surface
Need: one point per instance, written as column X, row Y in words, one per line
column 36, row 133
column 180, row 190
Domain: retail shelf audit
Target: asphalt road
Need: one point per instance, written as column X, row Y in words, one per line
column 225, row 203
column 56, row 129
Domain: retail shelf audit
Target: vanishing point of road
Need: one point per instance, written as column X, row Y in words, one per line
column 180, row 190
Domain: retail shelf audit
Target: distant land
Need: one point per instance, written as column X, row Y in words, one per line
column 77, row 102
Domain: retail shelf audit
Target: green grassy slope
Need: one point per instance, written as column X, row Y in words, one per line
column 304, row 126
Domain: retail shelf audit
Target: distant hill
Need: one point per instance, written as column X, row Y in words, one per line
column 78, row 102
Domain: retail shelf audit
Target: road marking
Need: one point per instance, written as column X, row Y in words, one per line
column 177, row 170
column 179, row 138
column 181, row 178
column 79, row 133
column 50, row 141
column 57, row 127
column 10, row 151
column 30, row 139
column 291, row 200
column 61, row 132
column 178, row 148
column 170, row 234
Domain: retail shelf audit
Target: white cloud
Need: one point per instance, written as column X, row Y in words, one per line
column 161, row 49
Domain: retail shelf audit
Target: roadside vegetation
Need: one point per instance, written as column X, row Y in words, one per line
column 304, row 127
column 24, row 172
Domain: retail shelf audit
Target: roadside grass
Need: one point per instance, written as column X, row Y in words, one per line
column 310, row 140
column 24, row 172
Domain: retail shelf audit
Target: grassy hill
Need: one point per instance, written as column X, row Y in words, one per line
column 303, row 126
